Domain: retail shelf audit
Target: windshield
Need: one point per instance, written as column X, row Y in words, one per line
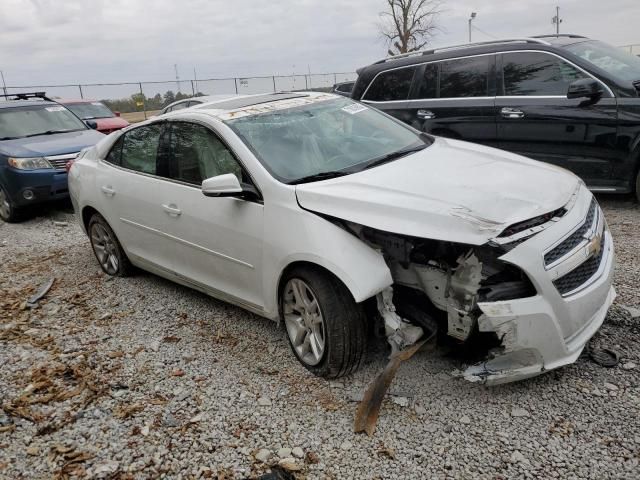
column 612, row 59
column 90, row 110
column 333, row 135
column 32, row 120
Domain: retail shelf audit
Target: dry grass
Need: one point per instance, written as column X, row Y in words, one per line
column 135, row 117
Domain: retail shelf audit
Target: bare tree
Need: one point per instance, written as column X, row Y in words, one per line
column 408, row 25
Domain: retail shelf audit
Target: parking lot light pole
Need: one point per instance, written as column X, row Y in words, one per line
column 473, row 15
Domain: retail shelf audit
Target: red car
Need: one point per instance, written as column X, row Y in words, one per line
column 107, row 120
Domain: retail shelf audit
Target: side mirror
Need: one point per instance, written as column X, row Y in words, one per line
column 92, row 124
column 585, row 88
column 117, row 114
column 227, row 185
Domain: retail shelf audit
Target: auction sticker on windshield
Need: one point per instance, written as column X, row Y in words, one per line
column 354, row 108
column 54, row 109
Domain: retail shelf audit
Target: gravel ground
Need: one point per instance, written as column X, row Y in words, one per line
column 141, row 378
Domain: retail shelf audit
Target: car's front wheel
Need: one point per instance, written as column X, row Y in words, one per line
column 8, row 212
column 325, row 326
column 107, row 249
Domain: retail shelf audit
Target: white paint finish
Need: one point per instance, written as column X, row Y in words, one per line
column 454, row 191
column 451, row 190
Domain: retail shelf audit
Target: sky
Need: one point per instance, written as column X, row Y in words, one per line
column 86, row 41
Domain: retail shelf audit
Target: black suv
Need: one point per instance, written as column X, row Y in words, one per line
column 565, row 99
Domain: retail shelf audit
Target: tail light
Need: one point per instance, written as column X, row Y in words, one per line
column 68, row 165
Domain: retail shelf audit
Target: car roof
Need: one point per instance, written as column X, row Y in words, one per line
column 203, row 99
column 66, row 101
column 23, row 103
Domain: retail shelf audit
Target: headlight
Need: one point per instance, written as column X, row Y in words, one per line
column 29, row 163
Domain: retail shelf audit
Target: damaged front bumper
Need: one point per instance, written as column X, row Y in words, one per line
column 551, row 329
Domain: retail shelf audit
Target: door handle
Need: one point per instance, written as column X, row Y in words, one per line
column 425, row 114
column 172, row 210
column 507, row 112
column 108, row 190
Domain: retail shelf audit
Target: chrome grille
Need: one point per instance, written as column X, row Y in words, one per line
column 578, row 277
column 60, row 161
column 575, row 239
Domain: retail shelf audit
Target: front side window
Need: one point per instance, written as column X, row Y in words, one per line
column 196, row 154
column 179, row 106
column 465, row 77
column 323, row 137
column 33, row 120
column 428, row 86
column 537, row 73
column 140, row 148
column 391, row 85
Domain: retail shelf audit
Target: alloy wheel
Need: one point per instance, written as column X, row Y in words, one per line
column 304, row 322
column 105, row 248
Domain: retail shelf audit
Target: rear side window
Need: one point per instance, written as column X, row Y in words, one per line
column 537, row 73
column 116, row 152
column 391, row 85
column 196, row 154
column 466, row 77
column 140, row 148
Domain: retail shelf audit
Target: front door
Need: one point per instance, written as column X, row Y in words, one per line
column 456, row 98
column 218, row 240
column 536, row 119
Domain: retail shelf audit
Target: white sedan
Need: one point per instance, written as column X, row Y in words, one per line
column 323, row 213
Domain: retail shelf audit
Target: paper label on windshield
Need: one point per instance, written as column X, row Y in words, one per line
column 54, row 109
column 354, row 108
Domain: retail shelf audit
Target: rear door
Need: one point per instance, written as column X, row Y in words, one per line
column 456, row 98
column 133, row 196
column 536, row 119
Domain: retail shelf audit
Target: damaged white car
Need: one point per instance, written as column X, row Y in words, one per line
column 328, row 215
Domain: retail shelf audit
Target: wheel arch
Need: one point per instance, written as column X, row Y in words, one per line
column 87, row 212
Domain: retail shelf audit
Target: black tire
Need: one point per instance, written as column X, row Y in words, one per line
column 344, row 323
column 96, row 230
column 8, row 212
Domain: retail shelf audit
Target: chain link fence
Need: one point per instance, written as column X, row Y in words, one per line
column 149, row 97
column 633, row 49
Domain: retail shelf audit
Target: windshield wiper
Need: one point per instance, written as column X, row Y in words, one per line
column 319, row 176
column 9, row 138
column 393, row 156
column 50, row 132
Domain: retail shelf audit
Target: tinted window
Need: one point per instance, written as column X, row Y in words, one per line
column 391, row 85
column 345, row 87
column 533, row 73
column 140, row 147
column 198, row 154
column 467, row 77
column 115, row 152
column 428, row 87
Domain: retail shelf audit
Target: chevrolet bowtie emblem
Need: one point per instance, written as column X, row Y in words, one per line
column 594, row 246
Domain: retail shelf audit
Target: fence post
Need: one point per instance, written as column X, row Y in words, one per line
column 235, row 80
column 274, row 84
column 144, row 108
column 193, row 91
column 306, row 85
column 80, row 88
column 335, row 79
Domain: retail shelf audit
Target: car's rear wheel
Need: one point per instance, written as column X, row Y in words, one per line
column 8, row 212
column 325, row 326
column 107, row 249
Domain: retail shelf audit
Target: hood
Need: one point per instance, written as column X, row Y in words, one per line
column 451, row 190
column 111, row 123
column 57, row 144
